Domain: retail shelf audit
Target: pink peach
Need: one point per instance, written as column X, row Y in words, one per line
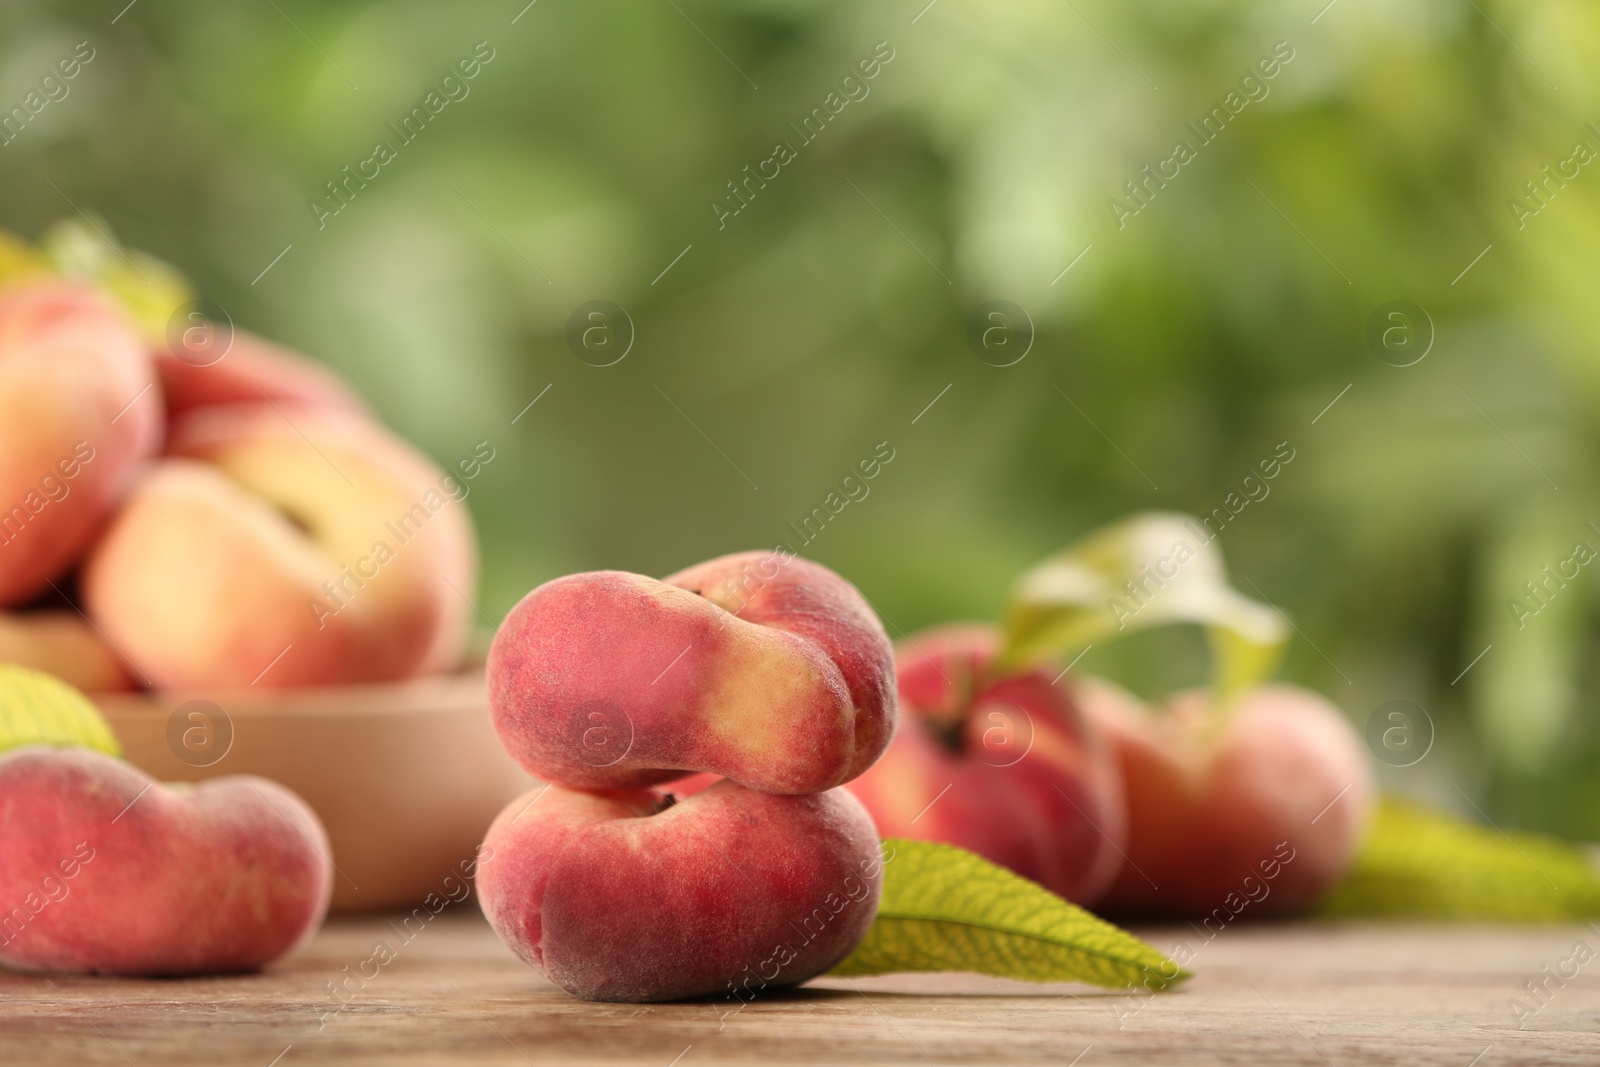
column 1266, row 804
column 250, row 370
column 79, row 415
column 1001, row 764
column 760, row 667
column 63, row 644
column 105, row 871
column 285, row 546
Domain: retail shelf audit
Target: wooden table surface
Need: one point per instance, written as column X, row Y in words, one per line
column 1318, row 994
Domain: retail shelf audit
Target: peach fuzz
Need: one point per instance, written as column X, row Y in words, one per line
column 63, row 644
column 105, row 871
column 78, row 417
column 1266, row 804
column 252, row 370
column 284, row 547
column 766, row 669
column 1001, row 764
column 626, row 896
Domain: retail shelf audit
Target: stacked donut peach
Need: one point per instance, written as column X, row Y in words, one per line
column 766, row 669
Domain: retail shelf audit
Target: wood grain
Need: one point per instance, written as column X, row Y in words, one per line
column 1317, row 994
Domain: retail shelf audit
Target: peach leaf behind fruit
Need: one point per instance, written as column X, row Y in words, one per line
column 20, row 261
column 1419, row 863
column 149, row 289
column 1153, row 569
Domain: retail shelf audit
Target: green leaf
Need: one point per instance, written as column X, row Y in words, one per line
column 945, row 909
column 19, row 260
column 38, row 709
column 1419, row 863
column 1153, row 569
column 150, row 289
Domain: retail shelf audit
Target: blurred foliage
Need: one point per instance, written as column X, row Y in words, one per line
column 1170, row 360
column 1421, row 864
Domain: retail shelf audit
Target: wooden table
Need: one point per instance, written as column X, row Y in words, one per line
column 1318, row 994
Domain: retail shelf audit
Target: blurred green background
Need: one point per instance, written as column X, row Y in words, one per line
column 1175, row 355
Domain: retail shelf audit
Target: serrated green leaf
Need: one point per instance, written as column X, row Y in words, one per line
column 1424, row 864
column 1153, row 569
column 38, row 709
column 945, row 909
